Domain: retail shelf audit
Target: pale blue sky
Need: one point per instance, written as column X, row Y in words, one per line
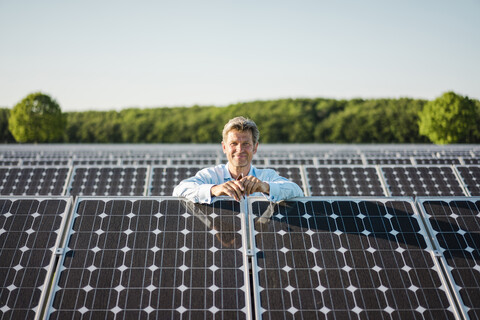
column 115, row 54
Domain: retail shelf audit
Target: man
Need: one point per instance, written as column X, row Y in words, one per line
column 237, row 178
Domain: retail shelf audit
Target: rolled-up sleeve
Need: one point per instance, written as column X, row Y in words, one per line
column 280, row 188
column 197, row 188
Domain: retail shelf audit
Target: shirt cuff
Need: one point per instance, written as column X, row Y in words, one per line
column 274, row 192
column 204, row 195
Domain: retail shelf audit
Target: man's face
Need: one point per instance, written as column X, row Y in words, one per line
column 239, row 148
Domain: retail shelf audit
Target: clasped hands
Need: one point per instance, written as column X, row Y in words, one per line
column 237, row 189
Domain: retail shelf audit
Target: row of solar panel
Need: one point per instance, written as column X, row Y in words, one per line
column 313, row 258
column 431, row 180
column 257, row 161
column 74, row 151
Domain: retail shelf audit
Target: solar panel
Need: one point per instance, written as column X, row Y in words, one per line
column 471, row 161
column 339, row 161
column 10, row 162
column 437, row 161
column 165, row 178
column 108, row 181
column 471, row 178
column 255, row 161
column 153, row 258
column 37, row 180
column 455, row 226
column 194, row 161
column 157, row 161
column 29, row 233
column 422, row 181
column 46, row 162
column 343, row 181
column 286, row 161
column 94, row 161
column 374, row 161
column 345, row 259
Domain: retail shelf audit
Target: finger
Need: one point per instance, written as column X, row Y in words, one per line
column 234, row 190
column 249, row 187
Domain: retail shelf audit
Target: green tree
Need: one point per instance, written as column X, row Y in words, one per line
column 37, row 118
column 450, row 118
column 5, row 135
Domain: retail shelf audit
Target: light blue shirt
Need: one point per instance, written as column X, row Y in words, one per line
column 197, row 188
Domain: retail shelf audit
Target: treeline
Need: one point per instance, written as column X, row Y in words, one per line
column 280, row 121
column 287, row 120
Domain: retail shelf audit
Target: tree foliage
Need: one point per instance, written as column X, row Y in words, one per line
column 5, row 135
column 280, row 121
column 37, row 118
column 450, row 118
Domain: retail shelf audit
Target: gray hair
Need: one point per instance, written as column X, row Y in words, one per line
column 241, row 124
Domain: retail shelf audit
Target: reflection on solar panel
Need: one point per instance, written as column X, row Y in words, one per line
column 33, row 180
column 344, row 181
column 165, row 178
column 109, row 181
column 153, row 259
column 29, row 231
column 340, row 259
column 455, row 225
column 471, row 178
column 422, row 181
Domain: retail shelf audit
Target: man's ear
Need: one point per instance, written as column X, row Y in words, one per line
column 255, row 148
column 223, row 147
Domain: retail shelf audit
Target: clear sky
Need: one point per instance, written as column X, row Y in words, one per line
column 114, row 54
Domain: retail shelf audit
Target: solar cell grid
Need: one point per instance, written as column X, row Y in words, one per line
column 471, row 178
column 339, row 259
column 195, row 161
column 104, row 180
column 94, row 161
column 153, row 258
column 157, row 161
column 471, row 160
column 343, row 181
column 164, row 178
column 36, row 180
column 455, row 225
column 29, row 231
column 45, row 162
column 430, row 160
column 286, row 161
column 339, row 161
column 374, row 161
column 10, row 162
column 422, row 181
